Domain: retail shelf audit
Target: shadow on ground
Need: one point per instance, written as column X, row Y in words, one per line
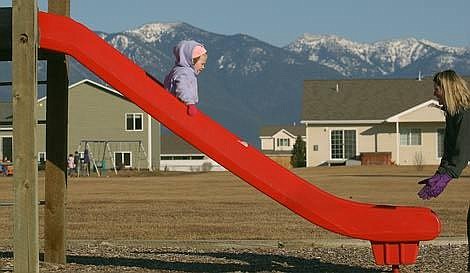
column 217, row 262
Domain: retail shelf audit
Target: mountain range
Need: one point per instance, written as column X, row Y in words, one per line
column 249, row 83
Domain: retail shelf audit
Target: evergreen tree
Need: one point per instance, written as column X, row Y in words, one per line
column 298, row 158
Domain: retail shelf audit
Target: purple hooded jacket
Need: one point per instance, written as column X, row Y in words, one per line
column 181, row 81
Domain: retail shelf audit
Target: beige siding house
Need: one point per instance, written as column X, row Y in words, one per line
column 278, row 141
column 115, row 131
column 345, row 119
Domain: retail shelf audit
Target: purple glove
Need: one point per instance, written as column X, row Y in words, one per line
column 435, row 185
column 192, row 110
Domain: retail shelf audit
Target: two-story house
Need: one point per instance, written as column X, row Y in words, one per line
column 116, row 132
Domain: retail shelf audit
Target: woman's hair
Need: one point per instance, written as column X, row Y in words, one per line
column 456, row 92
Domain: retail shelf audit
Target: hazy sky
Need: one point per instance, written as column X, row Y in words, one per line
column 279, row 22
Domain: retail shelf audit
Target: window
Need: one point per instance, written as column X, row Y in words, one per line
column 42, row 157
column 410, row 136
column 283, row 142
column 123, row 159
column 343, row 144
column 440, row 142
column 134, row 122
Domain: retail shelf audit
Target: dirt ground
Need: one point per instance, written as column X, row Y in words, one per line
column 207, row 211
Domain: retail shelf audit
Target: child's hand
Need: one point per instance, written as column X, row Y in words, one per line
column 192, row 110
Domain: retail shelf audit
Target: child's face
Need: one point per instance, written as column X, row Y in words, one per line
column 200, row 64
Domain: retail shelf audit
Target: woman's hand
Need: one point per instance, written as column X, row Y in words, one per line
column 434, row 185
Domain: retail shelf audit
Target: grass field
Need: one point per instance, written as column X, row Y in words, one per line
column 220, row 206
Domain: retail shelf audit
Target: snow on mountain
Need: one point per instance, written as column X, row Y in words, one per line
column 246, row 55
column 383, row 58
column 120, row 42
column 153, row 32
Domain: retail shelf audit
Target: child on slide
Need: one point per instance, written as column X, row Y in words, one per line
column 181, row 81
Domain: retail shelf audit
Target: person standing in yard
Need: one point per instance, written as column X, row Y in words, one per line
column 181, row 81
column 454, row 95
column 76, row 161
column 86, row 162
column 70, row 165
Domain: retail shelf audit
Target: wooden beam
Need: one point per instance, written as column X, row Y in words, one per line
column 5, row 36
column 56, row 149
column 10, row 83
column 24, row 79
column 61, row 7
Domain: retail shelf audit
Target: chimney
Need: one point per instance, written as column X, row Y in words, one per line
column 337, row 87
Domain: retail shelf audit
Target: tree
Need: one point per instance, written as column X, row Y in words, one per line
column 298, row 158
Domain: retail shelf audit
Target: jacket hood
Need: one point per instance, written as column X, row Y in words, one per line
column 183, row 52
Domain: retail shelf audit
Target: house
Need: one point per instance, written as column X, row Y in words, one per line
column 347, row 119
column 178, row 155
column 277, row 142
column 116, row 132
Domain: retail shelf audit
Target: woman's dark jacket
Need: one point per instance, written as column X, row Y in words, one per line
column 456, row 144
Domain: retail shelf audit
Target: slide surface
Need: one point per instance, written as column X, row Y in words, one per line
column 377, row 223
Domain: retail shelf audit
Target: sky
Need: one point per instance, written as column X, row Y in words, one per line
column 280, row 22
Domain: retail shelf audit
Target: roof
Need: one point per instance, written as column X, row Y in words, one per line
column 6, row 108
column 362, row 100
column 172, row 144
column 107, row 89
column 296, row 130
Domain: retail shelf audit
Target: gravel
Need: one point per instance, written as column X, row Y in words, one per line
column 107, row 257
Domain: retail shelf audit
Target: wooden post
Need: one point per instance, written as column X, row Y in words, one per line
column 56, row 149
column 24, row 78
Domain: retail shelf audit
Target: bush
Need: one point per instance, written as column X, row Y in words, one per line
column 298, row 158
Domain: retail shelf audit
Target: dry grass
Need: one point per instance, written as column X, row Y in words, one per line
column 211, row 206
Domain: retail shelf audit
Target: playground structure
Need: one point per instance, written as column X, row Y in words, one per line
column 394, row 231
column 101, row 151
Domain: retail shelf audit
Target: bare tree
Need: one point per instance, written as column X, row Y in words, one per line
column 419, row 159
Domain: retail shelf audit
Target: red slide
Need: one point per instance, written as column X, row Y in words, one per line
column 394, row 231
